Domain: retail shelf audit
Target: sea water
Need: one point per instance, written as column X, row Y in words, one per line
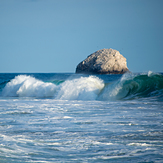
column 62, row 117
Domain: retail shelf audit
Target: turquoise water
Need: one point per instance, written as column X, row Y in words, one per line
column 81, row 118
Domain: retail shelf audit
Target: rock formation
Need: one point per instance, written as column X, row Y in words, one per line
column 105, row 61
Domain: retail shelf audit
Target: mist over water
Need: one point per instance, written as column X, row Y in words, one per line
column 81, row 118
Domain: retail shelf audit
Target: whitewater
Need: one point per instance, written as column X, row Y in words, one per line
column 66, row 117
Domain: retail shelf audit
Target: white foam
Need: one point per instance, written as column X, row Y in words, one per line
column 139, row 144
column 84, row 88
column 27, row 86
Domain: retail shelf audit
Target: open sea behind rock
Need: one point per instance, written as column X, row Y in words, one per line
column 66, row 117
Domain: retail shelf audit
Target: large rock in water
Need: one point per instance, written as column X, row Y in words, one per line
column 105, row 61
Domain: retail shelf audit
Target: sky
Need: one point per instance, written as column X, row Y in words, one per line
column 53, row 36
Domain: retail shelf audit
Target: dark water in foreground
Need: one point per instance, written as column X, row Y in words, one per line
column 81, row 118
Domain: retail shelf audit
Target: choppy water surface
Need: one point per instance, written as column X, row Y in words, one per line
column 100, row 119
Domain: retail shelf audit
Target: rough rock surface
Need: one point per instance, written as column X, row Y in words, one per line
column 105, row 61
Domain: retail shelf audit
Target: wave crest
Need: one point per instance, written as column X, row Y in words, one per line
column 27, row 86
column 84, row 88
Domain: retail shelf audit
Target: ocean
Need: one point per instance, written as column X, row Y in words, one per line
column 67, row 117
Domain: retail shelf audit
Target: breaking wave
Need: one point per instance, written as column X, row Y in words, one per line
column 132, row 86
column 129, row 86
column 84, row 88
column 27, row 86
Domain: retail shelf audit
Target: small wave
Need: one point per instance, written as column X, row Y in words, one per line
column 27, row 86
column 134, row 86
column 84, row 88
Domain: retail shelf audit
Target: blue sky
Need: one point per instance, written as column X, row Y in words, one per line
column 55, row 35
